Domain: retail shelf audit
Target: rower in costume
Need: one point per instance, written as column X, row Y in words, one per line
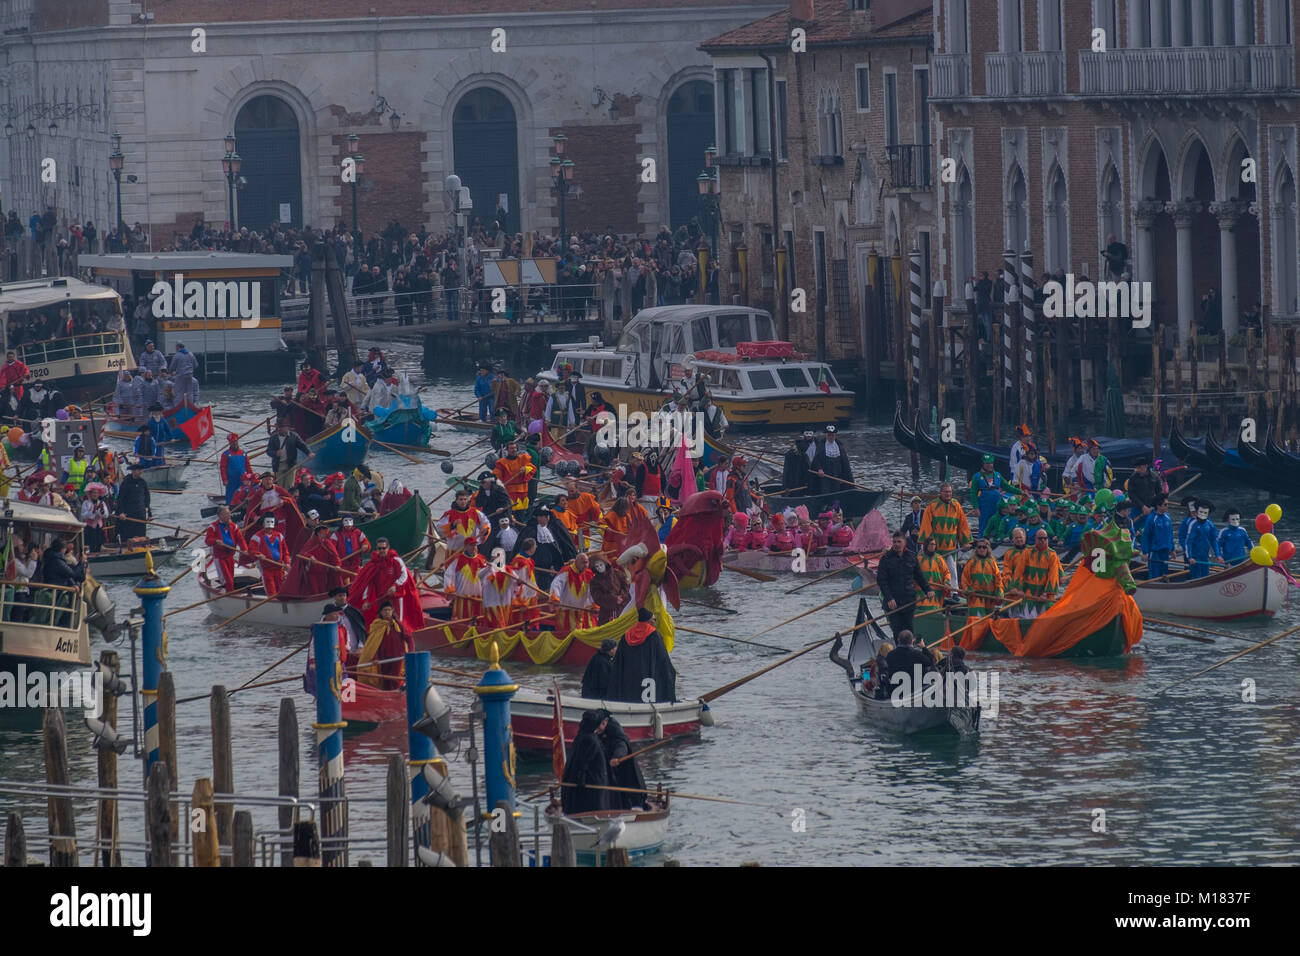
column 830, row 461
column 461, row 581
column 386, row 640
column 273, row 554
column 585, row 767
column 571, row 588
column 526, row 606
column 351, row 544
column 642, row 657
column 496, row 589
column 623, row 771
column 1158, row 539
column 514, row 472
column 986, row 492
column 1202, row 542
column 385, row 577
column 981, row 579
column 935, row 571
column 462, row 522
column 233, row 466
column 225, row 539
column 945, row 520
column 1039, row 577
column 314, row 569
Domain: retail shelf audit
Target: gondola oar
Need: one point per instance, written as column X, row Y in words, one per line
column 215, row 597
column 723, row 637
column 756, row 575
column 1252, row 648
column 847, row 567
column 826, row 604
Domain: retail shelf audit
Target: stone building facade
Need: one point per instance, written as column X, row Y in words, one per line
column 1170, row 124
column 854, row 178
column 427, row 95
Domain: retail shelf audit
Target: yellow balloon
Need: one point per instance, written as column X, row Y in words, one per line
column 1260, row 556
column 1269, row 543
column 1274, row 513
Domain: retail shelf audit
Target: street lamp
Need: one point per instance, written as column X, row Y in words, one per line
column 115, row 161
column 359, row 164
column 709, row 191
column 231, row 163
column 562, row 177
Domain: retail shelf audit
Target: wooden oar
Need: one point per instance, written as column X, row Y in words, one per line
column 1252, row 648
column 636, row 753
column 845, row 481
column 711, row 607
column 1186, row 627
column 1186, row 637
column 296, row 650
column 842, row 597
column 1184, row 485
column 215, row 597
column 982, row 617
column 847, row 567
column 756, row 575
column 674, row 794
column 727, row 688
column 723, row 637
column 398, row 451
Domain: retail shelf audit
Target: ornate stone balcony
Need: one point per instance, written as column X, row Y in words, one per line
column 1040, row 73
column 1187, row 71
column 950, row 76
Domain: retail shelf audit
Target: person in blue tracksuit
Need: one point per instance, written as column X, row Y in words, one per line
column 1234, row 541
column 1190, row 504
column 483, row 392
column 1158, row 539
column 1202, row 542
column 986, row 492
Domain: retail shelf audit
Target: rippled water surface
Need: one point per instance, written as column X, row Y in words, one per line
column 1194, row 775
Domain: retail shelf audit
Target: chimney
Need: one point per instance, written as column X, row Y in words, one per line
column 801, row 10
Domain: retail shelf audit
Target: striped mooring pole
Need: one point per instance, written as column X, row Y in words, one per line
column 329, row 742
column 1027, row 311
column 914, row 289
column 152, row 592
column 418, row 670
column 1008, row 348
column 495, row 690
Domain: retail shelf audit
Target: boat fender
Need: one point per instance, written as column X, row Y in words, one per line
column 447, row 467
column 706, row 716
column 490, row 459
column 433, row 857
column 105, row 736
column 657, row 726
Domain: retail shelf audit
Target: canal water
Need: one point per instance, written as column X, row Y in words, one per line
column 1085, row 763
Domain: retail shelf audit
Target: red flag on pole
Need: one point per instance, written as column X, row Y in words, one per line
column 198, row 429
column 557, row 741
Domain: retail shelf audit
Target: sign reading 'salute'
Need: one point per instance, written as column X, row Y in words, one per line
column 210, row 299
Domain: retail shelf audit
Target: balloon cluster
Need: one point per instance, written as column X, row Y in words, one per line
column 1269, row 550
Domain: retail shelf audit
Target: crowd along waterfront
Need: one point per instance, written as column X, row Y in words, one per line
column 1083, row 762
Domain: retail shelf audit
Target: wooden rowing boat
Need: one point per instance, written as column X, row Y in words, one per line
column 906, row 715
column 278, row 612
column 169, row 475
column 532, row 717
column 643, row 831
column 820, row 562
column 331, row 450
column 132, row 561
column 854, row 502
column 461, row 422
column 1245, row 590
column 362, row 704
column 1107, row 641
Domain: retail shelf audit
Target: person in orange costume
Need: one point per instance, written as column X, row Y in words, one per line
column 514, row 471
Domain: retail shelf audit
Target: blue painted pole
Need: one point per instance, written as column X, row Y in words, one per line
column 496, row 690
column 329, row 742
column 418, row 671
column 152, row 592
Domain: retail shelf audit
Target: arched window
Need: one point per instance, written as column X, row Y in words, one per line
column 690, row 132
column 1058, row 222
column 866, row 191
column 1017, row 213
column 1112, row 203
column 1284, row 231
column 963, row 229
column 485, row 149
column 830, row 129
column 268, row 141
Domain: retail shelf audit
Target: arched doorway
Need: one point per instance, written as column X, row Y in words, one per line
column 690, row 132
column 1058, row 222
column 1284, row 230
column 269, row 143
column 485, row 146
column 963, row 230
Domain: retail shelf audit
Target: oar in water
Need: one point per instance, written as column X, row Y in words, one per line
column 847, row 567
column 756, row 575
column 215, row 597
column 982, row 617
column 1185, row 627
column 826, row 604
column 723, row 637
column 397, row 451
column 711, row 607
column 1229, row 660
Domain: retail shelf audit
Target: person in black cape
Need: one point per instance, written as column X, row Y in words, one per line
column 555, row 548
column 586, row 767
column 595, row 679
column 794, row 472
column 641, row 654
column 625, row 773
column 830, row 461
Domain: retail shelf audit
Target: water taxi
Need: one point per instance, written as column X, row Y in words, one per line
column 84, row 364
column 754, row 379
column 224, row 307
column 47, row 624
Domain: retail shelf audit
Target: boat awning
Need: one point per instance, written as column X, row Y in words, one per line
column 197, row 262
column 24, row 512
column 23, row 296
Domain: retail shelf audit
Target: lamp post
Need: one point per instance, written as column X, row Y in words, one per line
column 359, row 165
column 562, row 177
column 230, row 165
column 115, row 161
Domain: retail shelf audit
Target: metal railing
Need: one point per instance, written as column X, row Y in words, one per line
column 45, row 605
column 87, row 345
column 909, row 166
column 1187, row 71
column 950, row 76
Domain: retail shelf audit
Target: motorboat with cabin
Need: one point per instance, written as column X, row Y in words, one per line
column 755, row 379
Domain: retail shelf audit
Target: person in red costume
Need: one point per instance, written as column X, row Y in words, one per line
column 225, row 539
column 309, row 379
column 317, row 576
column 351, row 544
column 462, row 582
column 14, row 373
column 387, row 640
column 385, row 577
column 273, row 554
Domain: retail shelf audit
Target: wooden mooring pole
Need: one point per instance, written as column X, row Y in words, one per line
column 288, row 747
column 109, row 854
column 223, row 766
column 62, row 823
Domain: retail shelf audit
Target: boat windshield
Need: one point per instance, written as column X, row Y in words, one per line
column 733, row 329
column 764, row 331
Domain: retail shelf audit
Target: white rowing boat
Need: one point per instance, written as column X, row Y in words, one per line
column 1245, row 590
column 277, row 612
column 903, row 716
column 641, row 833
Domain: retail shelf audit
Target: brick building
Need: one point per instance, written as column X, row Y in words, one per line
column 426, row 93
column 1068, row 122
column 853, row 174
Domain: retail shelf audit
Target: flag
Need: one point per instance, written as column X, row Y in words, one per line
column 822, row 383
column 198, row 428
column 557, row 740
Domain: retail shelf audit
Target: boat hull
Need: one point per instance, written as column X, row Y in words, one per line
column 529, row 647
column 330, row 453
column 279, row 612
column 643, row 833
column 832, row 559
column 459, row 422
column 166, row 476
column 1246, row 590
column 759, row 412
column 532, row 717
column 128, row 562
column 899, row 719
column 854, row 501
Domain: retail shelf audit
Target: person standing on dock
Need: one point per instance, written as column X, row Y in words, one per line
column 899, row 576
column 945, row 521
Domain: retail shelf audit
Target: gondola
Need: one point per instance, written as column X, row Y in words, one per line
column 1281, row 458
column 1252, row 455
column 110, row 562
column 1278, row 474
column 1214, row 451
